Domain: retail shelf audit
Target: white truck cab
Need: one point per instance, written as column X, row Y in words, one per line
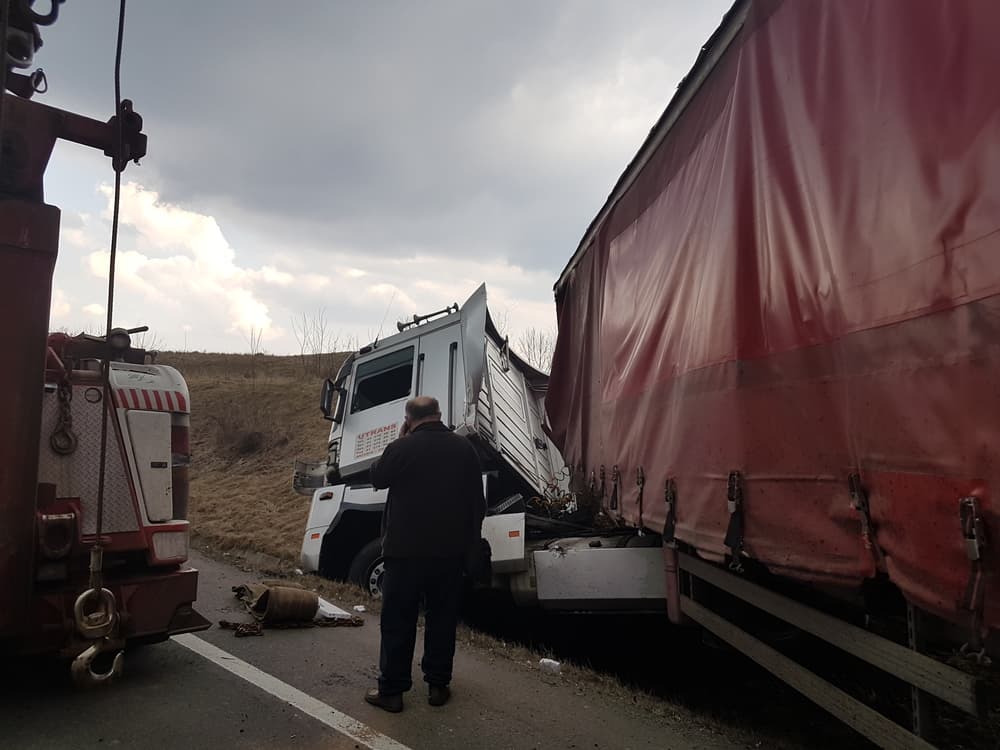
column 496, row 399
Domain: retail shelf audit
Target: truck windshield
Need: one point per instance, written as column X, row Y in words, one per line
column 382, row 380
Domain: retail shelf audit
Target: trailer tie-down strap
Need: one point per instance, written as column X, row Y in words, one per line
column 974, row 539
column 670, row 498
column 859, row 501
column 640, row 480
column 616, row 478
column 735, row 530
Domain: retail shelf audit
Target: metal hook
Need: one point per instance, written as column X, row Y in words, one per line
column 82, row 668
column 102, row 621
column 39, row 83
column 46, row 19
column 975, row 653
column 64, row 441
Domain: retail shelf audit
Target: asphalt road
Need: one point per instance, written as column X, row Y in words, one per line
column 295, row 687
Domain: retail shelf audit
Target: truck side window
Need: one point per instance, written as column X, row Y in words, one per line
column 382, row 380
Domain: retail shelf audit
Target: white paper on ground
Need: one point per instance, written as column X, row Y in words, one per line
column 327, row 611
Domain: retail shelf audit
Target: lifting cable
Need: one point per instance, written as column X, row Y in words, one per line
column 4, row 29
column 118, row 164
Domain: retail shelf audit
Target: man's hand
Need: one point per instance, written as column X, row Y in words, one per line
column 404, row 429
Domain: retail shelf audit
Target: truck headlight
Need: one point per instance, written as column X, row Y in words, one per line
column 170, row 546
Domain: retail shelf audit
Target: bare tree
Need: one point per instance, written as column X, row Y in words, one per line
column 148, row 340
column 91, row 329
column 502, row 321
column 302, row 329
column 254, row 340
column 317, row 343
column 321, row 344
column 537, row 347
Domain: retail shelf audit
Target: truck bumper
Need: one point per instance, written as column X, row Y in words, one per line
column 151, row 608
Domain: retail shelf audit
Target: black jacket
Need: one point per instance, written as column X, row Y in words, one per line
column 436, row 505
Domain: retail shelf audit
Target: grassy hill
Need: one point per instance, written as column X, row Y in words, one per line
column 251, row 417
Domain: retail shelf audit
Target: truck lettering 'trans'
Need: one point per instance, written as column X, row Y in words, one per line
column 374, row 441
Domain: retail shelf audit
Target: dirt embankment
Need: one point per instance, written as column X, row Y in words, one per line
column 251, row 417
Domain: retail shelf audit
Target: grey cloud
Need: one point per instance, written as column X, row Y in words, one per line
column 373, row 126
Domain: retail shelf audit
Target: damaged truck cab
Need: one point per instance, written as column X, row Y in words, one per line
column 493, row 397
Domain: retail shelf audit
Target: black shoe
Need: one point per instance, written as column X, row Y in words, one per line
column 438, row 695
column 391, row 703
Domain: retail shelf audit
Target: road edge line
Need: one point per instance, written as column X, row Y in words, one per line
column 317, row 709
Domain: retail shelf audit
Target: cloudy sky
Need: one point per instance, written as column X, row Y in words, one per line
column 370, row 159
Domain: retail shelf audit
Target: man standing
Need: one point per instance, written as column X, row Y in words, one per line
column 433, row 516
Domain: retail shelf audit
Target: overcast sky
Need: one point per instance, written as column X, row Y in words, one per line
column 372, row 159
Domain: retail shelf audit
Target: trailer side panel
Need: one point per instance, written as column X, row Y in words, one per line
column 800, row 283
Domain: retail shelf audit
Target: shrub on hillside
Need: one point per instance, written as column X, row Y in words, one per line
column 245, row 425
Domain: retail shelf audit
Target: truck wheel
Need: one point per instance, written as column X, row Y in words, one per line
column 367, row 569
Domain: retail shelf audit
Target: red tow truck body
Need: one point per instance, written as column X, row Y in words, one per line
column 54, row 402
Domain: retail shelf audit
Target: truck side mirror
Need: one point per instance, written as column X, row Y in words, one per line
column 326, row 398
column 326, row 401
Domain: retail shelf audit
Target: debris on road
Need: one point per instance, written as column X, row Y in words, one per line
column 550, row 666
column 272, row 602
column 360, row 608
column 242, row 629
column 282, row 604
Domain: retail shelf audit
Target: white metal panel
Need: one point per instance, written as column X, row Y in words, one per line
column 365, row 494
column 135, row 382
column 76, row 475
column 150, row 436
column 505, row 533
column 325, row 504
column 601, row 577
column 367, row 432
column 474, row 315
column 512, row 419
column 440, row 364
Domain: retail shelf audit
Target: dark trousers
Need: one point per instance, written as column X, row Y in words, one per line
column 407, row 582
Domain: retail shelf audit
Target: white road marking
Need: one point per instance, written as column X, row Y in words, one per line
column 336, row 720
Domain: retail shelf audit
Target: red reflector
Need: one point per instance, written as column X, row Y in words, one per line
column 314, row 536
column 513, row 534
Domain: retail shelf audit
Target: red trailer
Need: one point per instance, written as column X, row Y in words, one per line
column 779, row 339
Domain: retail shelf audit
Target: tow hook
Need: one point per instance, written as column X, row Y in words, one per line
column 99, row 623
column 82, row 668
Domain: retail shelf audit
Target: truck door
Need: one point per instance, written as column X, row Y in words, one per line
column 382, row 383
column 440, row 371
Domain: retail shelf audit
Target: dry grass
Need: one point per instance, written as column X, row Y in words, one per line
column 250, row 419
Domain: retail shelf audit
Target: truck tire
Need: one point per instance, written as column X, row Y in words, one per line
column 367, row 568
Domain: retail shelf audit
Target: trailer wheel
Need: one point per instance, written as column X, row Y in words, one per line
column 367, row 569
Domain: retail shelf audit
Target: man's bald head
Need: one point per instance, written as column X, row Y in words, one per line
column 423, row 409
